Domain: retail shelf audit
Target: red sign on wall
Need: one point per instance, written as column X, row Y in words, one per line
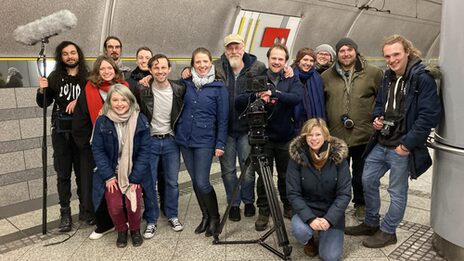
column 274, row 35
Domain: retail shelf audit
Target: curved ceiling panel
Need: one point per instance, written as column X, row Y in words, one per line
column 20, row 12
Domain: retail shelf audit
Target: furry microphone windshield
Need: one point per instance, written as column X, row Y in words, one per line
column 45, row 27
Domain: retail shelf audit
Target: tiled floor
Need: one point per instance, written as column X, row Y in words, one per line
column 21, row 239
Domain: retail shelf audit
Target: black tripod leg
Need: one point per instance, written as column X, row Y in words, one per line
column 276, row 212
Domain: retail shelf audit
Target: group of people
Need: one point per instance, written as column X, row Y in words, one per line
column 123, row 133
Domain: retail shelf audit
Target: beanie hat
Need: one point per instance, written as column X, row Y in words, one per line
column 326, row 48
column 346, row 41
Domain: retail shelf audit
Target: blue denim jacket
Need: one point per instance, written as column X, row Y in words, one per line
column 105, row 148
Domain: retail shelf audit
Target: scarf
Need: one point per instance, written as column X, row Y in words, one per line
column 318, row 159
column 200, row 81
column 94, row 100
column 126, row 139
column 313, row 103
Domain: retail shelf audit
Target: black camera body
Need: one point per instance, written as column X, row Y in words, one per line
column 256, row 84
column 256, row 113
column 348, row 123
column 385, row 131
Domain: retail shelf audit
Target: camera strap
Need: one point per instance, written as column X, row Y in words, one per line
column 347, row 101
column 395, row 91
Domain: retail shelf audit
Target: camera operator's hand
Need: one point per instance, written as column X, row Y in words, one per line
column 378, row 125
column 265, row 95
column 218, row 153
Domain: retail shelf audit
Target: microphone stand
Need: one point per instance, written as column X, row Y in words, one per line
column 43, row 58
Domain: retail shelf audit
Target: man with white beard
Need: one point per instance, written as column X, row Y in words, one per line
column 233, row 67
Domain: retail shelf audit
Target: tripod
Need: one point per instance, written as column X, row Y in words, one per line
column 259, row 160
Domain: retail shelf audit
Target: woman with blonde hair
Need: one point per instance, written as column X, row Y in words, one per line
column 121, row 149
column 319, row 189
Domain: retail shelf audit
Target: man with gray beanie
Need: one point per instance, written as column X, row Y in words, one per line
column 325, row 56
column 350, row 88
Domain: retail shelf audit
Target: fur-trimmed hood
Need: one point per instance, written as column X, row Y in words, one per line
column 338, row 150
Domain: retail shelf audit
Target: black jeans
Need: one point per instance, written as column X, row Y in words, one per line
column 65, row 158
column 87, row 166
column 279, row 152
column 357, row 165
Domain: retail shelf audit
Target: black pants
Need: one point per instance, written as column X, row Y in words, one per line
column 357, row 165
column 87, row 166
column 65, row 158
column 103, row 220
column 279, row 152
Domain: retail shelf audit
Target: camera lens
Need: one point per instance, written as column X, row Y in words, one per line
column 348, row 123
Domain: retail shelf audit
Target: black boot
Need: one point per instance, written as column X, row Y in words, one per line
column 65, row 219
column 205, row 217
column 212, row 207
column 122, row 239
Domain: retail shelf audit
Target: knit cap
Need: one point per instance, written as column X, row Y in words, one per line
column 326, row 48
column 346, row 41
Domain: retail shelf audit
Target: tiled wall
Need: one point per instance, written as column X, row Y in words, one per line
column 21, row 147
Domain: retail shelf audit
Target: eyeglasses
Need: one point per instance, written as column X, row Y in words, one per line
column 323, row 54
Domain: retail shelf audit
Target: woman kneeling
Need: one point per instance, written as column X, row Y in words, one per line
column 121, row 149
column 319, row 189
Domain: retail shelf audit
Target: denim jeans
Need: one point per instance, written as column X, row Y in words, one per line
column 166, row 152
column 378, row 162
column 198, row 163
column 330, row 241
column 237, row 147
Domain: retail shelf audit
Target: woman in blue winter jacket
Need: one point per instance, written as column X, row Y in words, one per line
column 312, row 104
column 201, row 133
column 318, row 189
column 121, row 149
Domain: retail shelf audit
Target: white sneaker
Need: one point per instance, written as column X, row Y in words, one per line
column 150, row 231
column 175, row 224
column 95, row 235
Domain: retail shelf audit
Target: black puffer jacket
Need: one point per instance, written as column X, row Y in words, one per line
column 313, row 193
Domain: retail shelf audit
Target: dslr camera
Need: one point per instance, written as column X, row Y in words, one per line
column 385, row 131
column 348, row 123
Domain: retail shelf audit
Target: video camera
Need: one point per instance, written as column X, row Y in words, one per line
column 256, row 83
column 256, row 113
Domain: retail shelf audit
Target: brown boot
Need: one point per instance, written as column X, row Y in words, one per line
column 380, row 239
column 361, row 230
column 310, row 248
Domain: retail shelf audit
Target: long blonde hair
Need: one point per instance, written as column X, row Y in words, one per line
column 315, row 122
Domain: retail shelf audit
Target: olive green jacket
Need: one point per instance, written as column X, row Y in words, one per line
column 355, row 97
